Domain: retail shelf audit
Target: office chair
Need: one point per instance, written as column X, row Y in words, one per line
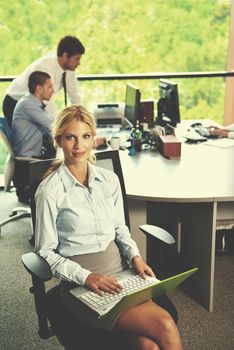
column 71, row 333
column 9, row 170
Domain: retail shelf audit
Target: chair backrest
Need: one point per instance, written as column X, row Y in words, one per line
column 9, row 165
column 110, row 160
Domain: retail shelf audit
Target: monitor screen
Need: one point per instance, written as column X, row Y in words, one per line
column 132, row 111
column 168, row 104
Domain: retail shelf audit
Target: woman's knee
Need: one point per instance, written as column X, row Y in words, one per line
column 166, row 324
column 169, row 337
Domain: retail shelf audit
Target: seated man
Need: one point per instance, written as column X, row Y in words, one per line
column 31, row 126
column 31, row 122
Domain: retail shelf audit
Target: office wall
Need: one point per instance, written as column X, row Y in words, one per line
column 229, row 91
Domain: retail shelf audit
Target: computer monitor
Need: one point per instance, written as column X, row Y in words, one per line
column 168, row 104
column 132, row 111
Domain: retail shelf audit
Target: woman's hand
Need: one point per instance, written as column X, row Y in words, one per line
column 102, row 283
column 141, row 267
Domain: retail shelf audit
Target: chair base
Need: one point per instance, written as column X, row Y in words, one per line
column 17, row 213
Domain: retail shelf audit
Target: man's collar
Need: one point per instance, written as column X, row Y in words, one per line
column 41, row 103
column 61, row 70
column 35, row 98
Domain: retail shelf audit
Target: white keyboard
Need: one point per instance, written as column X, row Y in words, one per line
column 108, row 130
column 132, row 284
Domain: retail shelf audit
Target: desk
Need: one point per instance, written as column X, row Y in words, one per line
column 185, row 197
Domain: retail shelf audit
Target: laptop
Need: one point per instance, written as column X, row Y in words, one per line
column 148, row 289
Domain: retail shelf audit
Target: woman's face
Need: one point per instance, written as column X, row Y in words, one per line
column 77, row 142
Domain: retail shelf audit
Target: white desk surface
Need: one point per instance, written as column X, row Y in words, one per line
column 202, row 174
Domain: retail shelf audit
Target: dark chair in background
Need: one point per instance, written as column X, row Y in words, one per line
column 71, row 333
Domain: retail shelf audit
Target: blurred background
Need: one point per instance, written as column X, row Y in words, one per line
column 123, row 37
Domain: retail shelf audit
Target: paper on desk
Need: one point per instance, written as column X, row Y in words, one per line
column 221, row 143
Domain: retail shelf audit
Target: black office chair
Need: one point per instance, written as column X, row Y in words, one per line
column 72, row 333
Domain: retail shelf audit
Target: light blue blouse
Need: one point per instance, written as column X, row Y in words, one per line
column 73, row 219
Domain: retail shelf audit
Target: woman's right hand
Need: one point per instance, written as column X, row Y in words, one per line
column 102, row 283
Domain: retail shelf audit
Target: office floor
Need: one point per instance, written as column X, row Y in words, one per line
column 199, row 329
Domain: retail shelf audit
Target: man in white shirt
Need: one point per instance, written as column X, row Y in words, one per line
column 67, row 59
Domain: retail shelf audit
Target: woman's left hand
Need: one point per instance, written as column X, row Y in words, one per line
column 141, row 267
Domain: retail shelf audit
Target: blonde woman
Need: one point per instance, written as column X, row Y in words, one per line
column 81, row 232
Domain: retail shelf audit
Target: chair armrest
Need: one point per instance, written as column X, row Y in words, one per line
column 40, row 272
column 25, row 159
column 37, row 266
column 157, row 232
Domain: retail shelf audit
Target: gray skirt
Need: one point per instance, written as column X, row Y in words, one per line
column 107, row 262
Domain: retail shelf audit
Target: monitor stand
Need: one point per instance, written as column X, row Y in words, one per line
column 169, row 129
column 126, row 124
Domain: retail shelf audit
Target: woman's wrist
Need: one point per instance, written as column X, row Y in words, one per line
column 135, row 259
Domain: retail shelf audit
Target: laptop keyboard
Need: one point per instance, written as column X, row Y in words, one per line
column 132, row 284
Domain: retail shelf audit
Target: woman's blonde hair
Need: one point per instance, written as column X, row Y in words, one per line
column 64, row 118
